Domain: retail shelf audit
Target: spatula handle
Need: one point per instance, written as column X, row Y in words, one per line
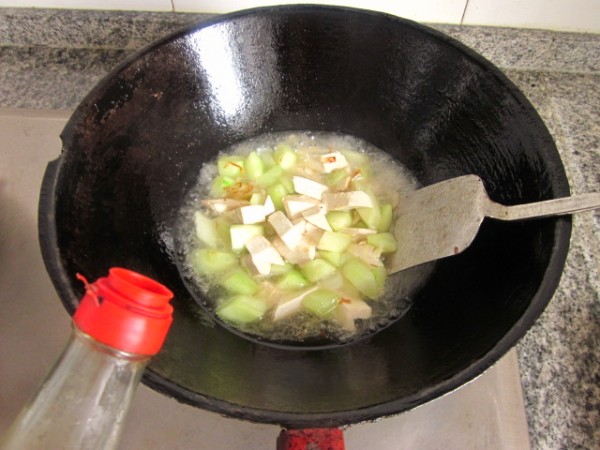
column 555, row 207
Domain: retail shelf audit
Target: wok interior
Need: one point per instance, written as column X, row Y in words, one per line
column 134, row 147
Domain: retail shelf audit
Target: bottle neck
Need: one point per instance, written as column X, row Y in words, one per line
column 93, row 344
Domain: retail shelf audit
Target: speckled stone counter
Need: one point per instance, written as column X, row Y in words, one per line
column 50, row 59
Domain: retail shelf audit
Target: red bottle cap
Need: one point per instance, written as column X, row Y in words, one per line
column 126, row 311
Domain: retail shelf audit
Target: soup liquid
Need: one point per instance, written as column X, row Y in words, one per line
column 389, row 181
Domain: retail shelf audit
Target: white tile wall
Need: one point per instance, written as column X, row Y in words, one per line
column 574, row 15
column 447, row 11
column 123, row 5
column 566, row 15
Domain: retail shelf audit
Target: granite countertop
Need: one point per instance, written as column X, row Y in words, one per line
column 49, row 59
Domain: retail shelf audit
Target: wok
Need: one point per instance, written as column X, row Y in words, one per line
column 134, row 146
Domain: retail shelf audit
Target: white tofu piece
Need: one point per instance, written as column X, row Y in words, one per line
column 358, row 234
column 350, row 310
column 290, row 233
column 221, row 205
column 367, row 253
column 303, row 253
column 313, row 234
column 343, row 201
column 256, row 270
column 250, row 214
column 240, row 234
column 295, row 204
column 316, row 217
column 269, row 206
column 309, row 187
column 290, row 303
column 263, row 254
column 333, row 161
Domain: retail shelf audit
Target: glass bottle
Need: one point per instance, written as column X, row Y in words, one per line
column 119, row 325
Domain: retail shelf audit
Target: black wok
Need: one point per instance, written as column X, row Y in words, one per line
column 134, row 146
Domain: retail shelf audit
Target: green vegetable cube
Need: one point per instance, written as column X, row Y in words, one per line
column 254, row 166
column 231, row 166
column 217, row 187
column 384, row 241
column 240, row 282
column 277, row 192
column 292, row 280
column 338, row 179
column 334, row 258
column 339, row 220
column 371, row 216
column 206, row 230
column 317, row 269
column 285, row 156
column 386, row 217
column 321, row 302
column 242, row 309
column 334, row 242
column 380, row 275
column 360, row 276
column 270, row 177
column 208, row 261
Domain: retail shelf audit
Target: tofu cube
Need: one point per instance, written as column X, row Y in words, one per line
column 316, row 217
column 263, row 254
column 309, row 187
column 367, row 253
column 333, row 161
column 289, row 233
column 295, row 204
column 304, row 252
column 221, row 205
column 343, row 201
column 290, row 303
column 350, row 310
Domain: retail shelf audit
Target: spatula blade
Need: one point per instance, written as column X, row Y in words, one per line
column 437, row 221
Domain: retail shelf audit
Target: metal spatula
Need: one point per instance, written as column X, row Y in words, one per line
column 443, row 219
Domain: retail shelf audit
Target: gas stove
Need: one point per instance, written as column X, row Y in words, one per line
column 486, row 413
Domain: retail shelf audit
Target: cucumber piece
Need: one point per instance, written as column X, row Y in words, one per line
column 334, row 258
column 217, row 187
column 285, row 156
column 334, row 242
column 270, row 177
column 242, row 309
column 258, row 198
column 208, row 261
column 268, row 159
column 288, row 183
column 321, row 302
column 206, row 230
column 356, row 159
column 360, row 276
column 239, row 282
column 292, row 280
column 380, row 275
column 317, row 269
column 386, row 217
column 339, row 220
column 240, row 234
column 371, row 216
column 384, row 241
column 254, row 166
column 278, row 269
column 337, row 180
column 230, row 166
column 277, row 192
column 222, row 225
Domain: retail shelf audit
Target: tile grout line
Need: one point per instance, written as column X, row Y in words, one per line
column 462, row 18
